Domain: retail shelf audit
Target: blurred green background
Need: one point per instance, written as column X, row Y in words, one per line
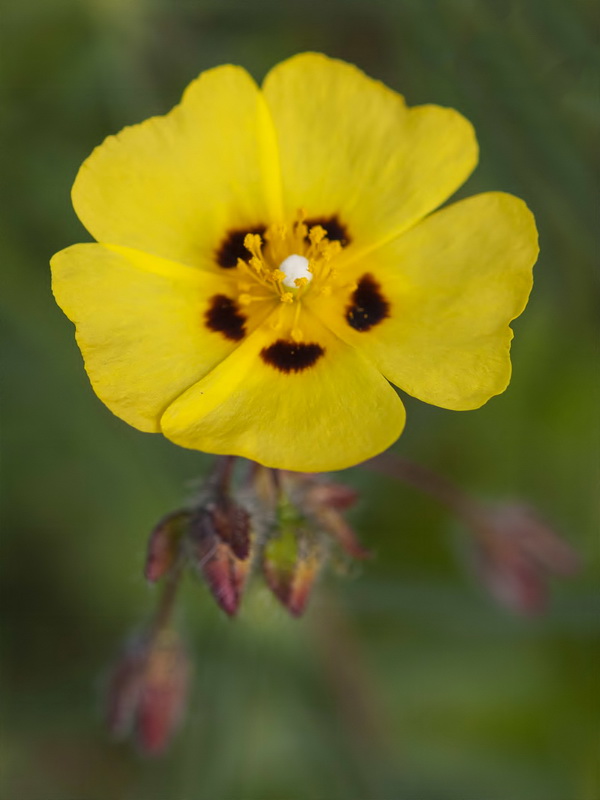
column 404, row 681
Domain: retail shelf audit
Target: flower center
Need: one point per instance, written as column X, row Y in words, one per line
column 285, row 259
column 297, row 271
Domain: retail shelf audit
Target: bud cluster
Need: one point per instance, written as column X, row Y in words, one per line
column 281, row 525
column 285, row 527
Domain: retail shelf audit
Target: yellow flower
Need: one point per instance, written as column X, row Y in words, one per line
column 268, row 263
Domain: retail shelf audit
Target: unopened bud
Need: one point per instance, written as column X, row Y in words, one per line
column 515, row 554
column 148, row 691
column 291, row 564
column 164, row 545
column 230, row 522
column 163, row 693
column 216, row 560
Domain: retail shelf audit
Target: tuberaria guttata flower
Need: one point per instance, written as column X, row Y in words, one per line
column 268, row 264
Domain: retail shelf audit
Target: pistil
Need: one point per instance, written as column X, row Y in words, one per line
column 297, row 271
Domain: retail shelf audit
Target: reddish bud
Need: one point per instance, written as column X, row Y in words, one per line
column 223, row 571
column 230, row 522
column 515, row 554
column 515, row 584
column 164, row 545
column 217, row 568
column 148, row 690
column 163, row 693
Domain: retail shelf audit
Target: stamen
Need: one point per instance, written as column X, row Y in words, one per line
column 284, row 258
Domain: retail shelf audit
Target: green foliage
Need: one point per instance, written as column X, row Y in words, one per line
column 404, row 681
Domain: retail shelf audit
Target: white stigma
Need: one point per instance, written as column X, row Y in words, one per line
column 295, row 267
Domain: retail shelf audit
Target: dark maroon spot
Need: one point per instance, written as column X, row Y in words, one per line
column 292, row 356
column 336, row 232
column 368, row 307
column 223, row 316
column 232, row 247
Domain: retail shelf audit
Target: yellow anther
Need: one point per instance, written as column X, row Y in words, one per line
column 297, row 334
column 287, row 297
column 317, row 233
column 300, row 282
column 277, row 275
column 253, row 243
column 330, row 249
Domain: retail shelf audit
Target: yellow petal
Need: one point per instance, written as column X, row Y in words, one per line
column 350, row 148
column 333, row 414
column 140, row 324
column 452, row 283
column 174, row 185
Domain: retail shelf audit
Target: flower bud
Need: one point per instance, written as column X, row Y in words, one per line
column 164, row 545
column 515, row 553
column 163, row 695
column 230, row 522
column 291, row 563
column 216, row 560
column 148, row 690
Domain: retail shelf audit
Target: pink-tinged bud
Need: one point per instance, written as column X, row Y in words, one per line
column 517, row 586
column 164, row 545
column 163, row 693
column 291, row 564
column 516, row 552
column 218, row 570
column 224, row 573
column 229, row 521
column 148, row 691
